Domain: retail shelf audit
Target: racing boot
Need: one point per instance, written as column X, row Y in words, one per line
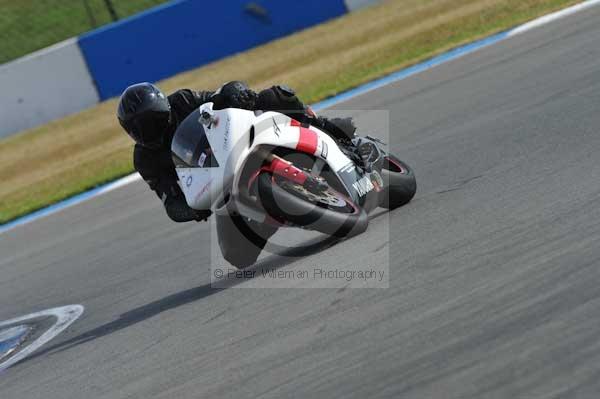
column 360, row 150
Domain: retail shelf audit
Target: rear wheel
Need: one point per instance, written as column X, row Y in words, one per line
column 400, row 183
column 323, row 210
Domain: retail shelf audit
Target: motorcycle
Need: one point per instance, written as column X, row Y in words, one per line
column 269, row 169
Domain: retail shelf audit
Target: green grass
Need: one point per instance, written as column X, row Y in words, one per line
column 29, row 25
column 67, row 157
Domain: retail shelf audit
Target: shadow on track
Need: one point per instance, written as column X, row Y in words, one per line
column 173, row 301
column 145, row 312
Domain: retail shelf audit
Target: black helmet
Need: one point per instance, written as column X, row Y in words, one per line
column 145, row 114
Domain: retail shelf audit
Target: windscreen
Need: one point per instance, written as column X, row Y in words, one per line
column 190, row 146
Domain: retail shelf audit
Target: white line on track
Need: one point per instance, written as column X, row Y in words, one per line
column 546, row 19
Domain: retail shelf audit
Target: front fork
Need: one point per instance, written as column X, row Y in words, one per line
column 280, row 167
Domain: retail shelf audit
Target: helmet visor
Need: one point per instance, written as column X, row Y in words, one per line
column 150, row 129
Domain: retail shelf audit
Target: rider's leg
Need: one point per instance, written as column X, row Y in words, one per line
column 340, row 128
column 344, row 130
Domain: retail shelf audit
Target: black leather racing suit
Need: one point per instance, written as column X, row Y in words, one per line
column 156, row 166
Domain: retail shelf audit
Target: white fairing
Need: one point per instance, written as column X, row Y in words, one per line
column 229, row 133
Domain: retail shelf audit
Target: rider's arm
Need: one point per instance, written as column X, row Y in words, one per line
column 184, row 102
column 281, row 99
column 234, row 94
column 284, row 100
column 157, row 170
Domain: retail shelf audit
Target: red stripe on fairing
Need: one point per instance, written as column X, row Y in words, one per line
column 307, row 142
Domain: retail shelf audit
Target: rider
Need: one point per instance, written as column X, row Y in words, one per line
column 151, row 118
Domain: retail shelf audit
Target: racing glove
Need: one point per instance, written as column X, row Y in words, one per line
column 178, row 210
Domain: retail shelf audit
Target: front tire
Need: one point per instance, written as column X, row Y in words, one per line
column 336, row 215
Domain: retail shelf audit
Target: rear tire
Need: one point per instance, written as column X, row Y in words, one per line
column 400, row 183
column 283, row 205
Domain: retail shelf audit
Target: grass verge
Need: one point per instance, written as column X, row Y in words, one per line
column 74, row 154
column 29, row 25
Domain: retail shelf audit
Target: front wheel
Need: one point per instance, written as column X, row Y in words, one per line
column 326, row 211
column 400, row 183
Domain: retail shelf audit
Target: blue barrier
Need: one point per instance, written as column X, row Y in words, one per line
column 185, row 34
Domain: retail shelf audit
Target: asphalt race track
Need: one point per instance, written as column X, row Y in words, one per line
column 495, row 266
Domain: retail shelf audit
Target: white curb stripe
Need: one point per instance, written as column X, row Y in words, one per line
column 546, row 19
column 65, row 316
